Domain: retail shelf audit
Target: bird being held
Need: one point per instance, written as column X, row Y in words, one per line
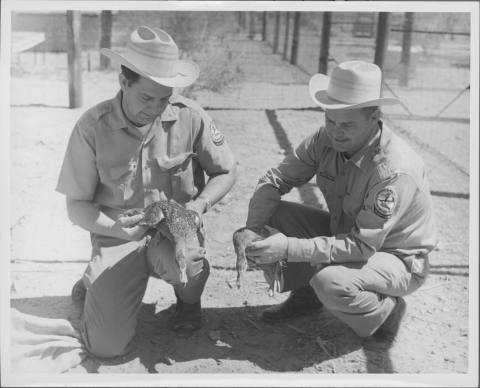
column 178, row 224
column 242, row 238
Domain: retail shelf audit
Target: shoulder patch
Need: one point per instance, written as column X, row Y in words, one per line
column 385, row 202
column 216, row 136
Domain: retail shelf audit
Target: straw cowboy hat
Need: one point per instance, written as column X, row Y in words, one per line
column 353, row 85
column 153, row 54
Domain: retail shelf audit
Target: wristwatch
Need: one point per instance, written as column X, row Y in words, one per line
column 208, row 204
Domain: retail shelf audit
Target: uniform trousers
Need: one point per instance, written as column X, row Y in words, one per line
column 361, row 294
column 116, row 279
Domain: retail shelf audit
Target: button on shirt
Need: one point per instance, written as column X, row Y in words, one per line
column 379, row 200
column 110, row 163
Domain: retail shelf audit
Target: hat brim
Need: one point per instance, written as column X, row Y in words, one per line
column 188, row 71
column 318, row 93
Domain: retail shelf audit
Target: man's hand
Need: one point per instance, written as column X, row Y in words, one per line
column 270, row 250
column 122, row 230
column 197, row 206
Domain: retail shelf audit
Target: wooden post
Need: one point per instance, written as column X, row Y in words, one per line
column 264, row 26
column 251, row 33
column 74, row 55
column 406, row 47
column 295, row 39
column 106, row 37
column 287, row 32
column 277, row 32
column 381, row 48
column 325, row 45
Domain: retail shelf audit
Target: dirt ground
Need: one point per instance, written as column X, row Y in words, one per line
column 49, row 254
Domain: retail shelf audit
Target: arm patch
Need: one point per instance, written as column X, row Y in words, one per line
column 385, row 203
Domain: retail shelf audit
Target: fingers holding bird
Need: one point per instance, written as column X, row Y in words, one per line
column 270, row 250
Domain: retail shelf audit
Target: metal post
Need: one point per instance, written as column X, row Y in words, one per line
column 264, row 27
column 381, row 47
column 277, row 32
column 287, row 32
column 325, row 45
column 406, row 47
column 74, row 55
column 106, row 38
column 295, row 39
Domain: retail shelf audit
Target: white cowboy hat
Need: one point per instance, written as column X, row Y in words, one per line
column 153, row 54
column 353, row 85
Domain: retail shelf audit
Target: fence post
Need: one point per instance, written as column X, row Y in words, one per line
column 74, row 55
column 277, row 32
column 381, row 46
column 325, row 45
column 287, row 32
column 251, row 33
column 106, row 38
column 295, row 39
column 264, row 26
column 406, row 46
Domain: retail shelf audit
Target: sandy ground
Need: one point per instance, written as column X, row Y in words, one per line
column 49, row 254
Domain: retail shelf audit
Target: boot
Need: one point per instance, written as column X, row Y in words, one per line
column 386, row 336
column 299, row 302
column 187, row 317
column 79, row 293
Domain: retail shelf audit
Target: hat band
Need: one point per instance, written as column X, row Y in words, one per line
column 154, row 54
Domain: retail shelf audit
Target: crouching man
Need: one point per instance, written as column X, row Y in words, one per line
column 143, row 145
column 359, row 259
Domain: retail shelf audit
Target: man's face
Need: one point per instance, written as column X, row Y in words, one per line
column 144, row 100
column 349, row 129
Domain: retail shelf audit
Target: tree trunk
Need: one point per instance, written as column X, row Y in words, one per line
column 264, row 26
column 381, row 48
column 406, row 47
column 106, row 38
column 74, row 56
column 277, row 32
column 325, row 45
column 295, row 39
column 287, row 32
column 251, row 33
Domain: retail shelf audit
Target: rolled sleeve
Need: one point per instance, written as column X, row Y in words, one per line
column 79, row 176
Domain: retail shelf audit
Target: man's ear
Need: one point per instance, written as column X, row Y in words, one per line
column 122, row 81
column 375, row 116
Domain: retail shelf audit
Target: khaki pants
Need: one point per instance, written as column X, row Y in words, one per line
column 116, row 279
column 360, row 294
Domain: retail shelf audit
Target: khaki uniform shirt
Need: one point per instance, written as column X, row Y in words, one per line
column 109, row 162
column 379, row 200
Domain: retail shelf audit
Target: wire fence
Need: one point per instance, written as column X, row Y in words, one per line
column 436, row 84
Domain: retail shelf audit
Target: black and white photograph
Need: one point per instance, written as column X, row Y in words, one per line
column 239, row 193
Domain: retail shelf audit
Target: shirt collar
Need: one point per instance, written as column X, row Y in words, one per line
column 118, row 120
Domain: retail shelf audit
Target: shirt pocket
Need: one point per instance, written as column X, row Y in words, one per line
column 119, row 180
column 181, row 175
column 351, row 206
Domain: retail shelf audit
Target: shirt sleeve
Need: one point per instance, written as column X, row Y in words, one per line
column 295, row 170
column 79, row 175
column 385, row 204
column 211, row 147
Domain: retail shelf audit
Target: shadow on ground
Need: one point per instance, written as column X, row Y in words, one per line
column 306, row 342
